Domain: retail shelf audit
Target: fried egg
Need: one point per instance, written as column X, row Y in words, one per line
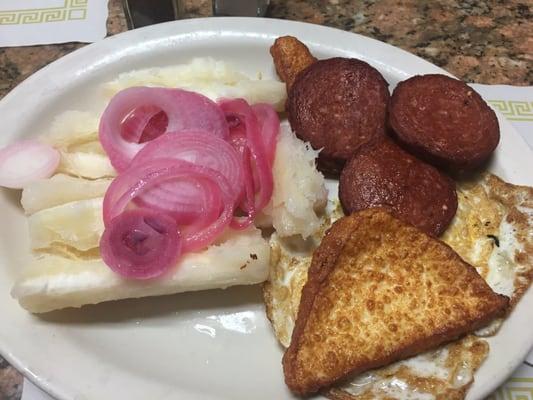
column 445, row 373
column 492, row 230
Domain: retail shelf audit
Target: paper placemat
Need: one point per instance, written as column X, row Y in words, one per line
column 32, row 22
column 516, row 104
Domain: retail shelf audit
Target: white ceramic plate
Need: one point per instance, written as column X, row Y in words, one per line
column 215, row 344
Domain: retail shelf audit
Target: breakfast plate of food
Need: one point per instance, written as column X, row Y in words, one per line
column 236, row 207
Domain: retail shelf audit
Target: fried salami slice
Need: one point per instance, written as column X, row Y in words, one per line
column 383, row 175
column 338, row 105
column 290, row 56
column 444, row 121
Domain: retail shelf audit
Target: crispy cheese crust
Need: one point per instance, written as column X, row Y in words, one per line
column 380, row 290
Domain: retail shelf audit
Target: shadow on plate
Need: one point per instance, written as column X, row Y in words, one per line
column 12, row 196
column 191, row 304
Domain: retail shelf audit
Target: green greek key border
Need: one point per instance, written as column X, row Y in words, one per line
column 514, row 389
column 71, row 10
column 514, row 110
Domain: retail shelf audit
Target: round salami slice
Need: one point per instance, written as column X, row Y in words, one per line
column 338, row 105
column 382, row 174
column 444, row 121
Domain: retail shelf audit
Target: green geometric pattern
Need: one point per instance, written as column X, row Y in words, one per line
column 514, row 389
column 71, row 10
column 514, row 110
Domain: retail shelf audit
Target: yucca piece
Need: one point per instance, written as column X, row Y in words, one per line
column 78, row 224
column 212, row 78
column 52, row 282
column 86, row 165
column 71, row 128
column 60, row 189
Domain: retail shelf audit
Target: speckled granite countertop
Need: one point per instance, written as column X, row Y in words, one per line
column 487, row 42
column 478, row 41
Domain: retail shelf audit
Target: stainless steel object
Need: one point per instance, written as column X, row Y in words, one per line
column 242, row 8
column 147, row 12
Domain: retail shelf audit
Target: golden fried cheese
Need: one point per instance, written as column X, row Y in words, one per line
column 492, row 231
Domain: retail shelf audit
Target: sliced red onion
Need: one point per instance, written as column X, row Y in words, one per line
column 239, row 110
column 141, row 244
column 202, row 208
column 184, row 110
column 197, row 147
column 270, row 125
column 140, row 180
column 187, row 163
column 26, row 161
column 246, row 204
column 188, row 200
column 156, row 127
column 143, row 124
column 239, row 142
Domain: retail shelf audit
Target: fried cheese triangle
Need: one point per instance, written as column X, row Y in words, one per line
column 379, row 290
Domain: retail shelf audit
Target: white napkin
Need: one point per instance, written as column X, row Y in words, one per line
column 31, row 22
column 32, row 392
column 516, row 103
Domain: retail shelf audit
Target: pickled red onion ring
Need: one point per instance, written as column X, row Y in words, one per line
column 260, row 165
column 247, row 204
column 184, row 110
column 135, row 181
column 270, row 125
column 240, row 144
column 197, row 147
column 155, row 127
column 198, row 204
column 187, row 159
column 26, row 161
column 141, row 244
column 143, row 124
column 211, row 217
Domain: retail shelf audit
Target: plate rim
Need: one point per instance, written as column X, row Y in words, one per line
column 53, row 386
